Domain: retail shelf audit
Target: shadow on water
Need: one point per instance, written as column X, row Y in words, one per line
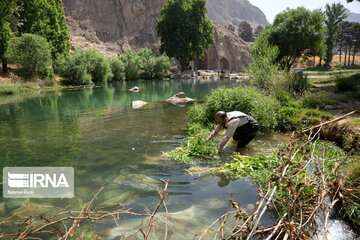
column 109, row 144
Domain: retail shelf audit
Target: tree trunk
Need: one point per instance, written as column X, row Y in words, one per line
column 340, row 45
column 345, row 54
column 349, row 56
column 4, row 66
column 353, row 62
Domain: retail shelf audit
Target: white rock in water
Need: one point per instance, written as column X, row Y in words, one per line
column 180, row 98
column 134, row 89
column 138, row 104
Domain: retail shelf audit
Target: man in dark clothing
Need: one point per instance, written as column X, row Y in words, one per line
column 240, row 126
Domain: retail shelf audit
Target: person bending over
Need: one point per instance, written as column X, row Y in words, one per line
column 239, row 125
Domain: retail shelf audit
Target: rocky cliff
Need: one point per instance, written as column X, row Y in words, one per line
column 227, row 12
column 112, row 26
column 229, row 52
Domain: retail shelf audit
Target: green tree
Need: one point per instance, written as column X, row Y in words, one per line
column 245, row 31
column 231, row 27
column 45, row 18
column 6, row 10
column 297, row 33
column 335, row 13
column 264, row 68
column 184, row 30
column 258, row 30
column 31, row 54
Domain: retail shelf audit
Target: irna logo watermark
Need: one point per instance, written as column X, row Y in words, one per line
column 38, row 182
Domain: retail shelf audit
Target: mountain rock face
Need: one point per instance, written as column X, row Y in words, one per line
column 229, row 53
column 233, row 12
column 114, row 26
column 352, row 17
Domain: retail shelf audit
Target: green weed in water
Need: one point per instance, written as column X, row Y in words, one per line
column 194, row 145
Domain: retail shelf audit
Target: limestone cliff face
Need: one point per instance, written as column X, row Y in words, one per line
column 227, row 12
column 229, row 53
column 112, row 26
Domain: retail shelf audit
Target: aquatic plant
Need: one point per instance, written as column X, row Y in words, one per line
column 194, row 145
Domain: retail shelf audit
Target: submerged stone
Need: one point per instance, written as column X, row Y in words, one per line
column 138, row 104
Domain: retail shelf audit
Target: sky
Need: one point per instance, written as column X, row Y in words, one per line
column 272, row 7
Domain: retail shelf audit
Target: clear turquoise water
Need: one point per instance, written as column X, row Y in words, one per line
column 112, row 145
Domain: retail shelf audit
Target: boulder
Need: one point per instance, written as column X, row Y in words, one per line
column 180, row 99
column 134, row 89
column 138, row 104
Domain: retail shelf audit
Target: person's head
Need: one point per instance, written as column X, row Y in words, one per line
column 220, row 117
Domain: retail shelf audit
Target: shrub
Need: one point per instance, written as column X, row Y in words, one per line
column 297, row 83
column 133, row 65
column 118, row 69
column 316, row 100
column 84, row 68
column 263, row 71
column 162, row 67
column 348, row 82
column 248, row 100
column 31, row 54
column 145, row 64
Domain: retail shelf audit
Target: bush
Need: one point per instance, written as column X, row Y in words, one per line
column 84, row 68
column 133, row 65
column 248, row 100
column 145, row 64
column 263, row 71
column 118, row 69
column 316, row 100
column 348, row 82
column 297, row 83
column 31, row 54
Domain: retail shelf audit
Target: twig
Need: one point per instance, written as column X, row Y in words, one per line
column 163, row 195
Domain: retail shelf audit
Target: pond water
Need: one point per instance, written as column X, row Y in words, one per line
column 112, row 145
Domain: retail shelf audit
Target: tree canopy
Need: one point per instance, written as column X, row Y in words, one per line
column 297, row 33
column 245, row 31
column 6, row 10
column 31, row 53
column 334, row 13
column 258, row 30
column 231, row 27
column 184, row 30
column 45, row 18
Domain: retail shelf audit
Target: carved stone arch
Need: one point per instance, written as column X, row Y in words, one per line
column 224, row 64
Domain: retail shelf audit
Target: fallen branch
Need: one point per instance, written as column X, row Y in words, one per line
column 328, row 122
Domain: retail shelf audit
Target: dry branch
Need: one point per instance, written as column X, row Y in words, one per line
column 328, row 122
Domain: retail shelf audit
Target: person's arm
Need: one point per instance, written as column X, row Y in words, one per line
column 230, row 132
column 223, row 143
column 214, row 133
